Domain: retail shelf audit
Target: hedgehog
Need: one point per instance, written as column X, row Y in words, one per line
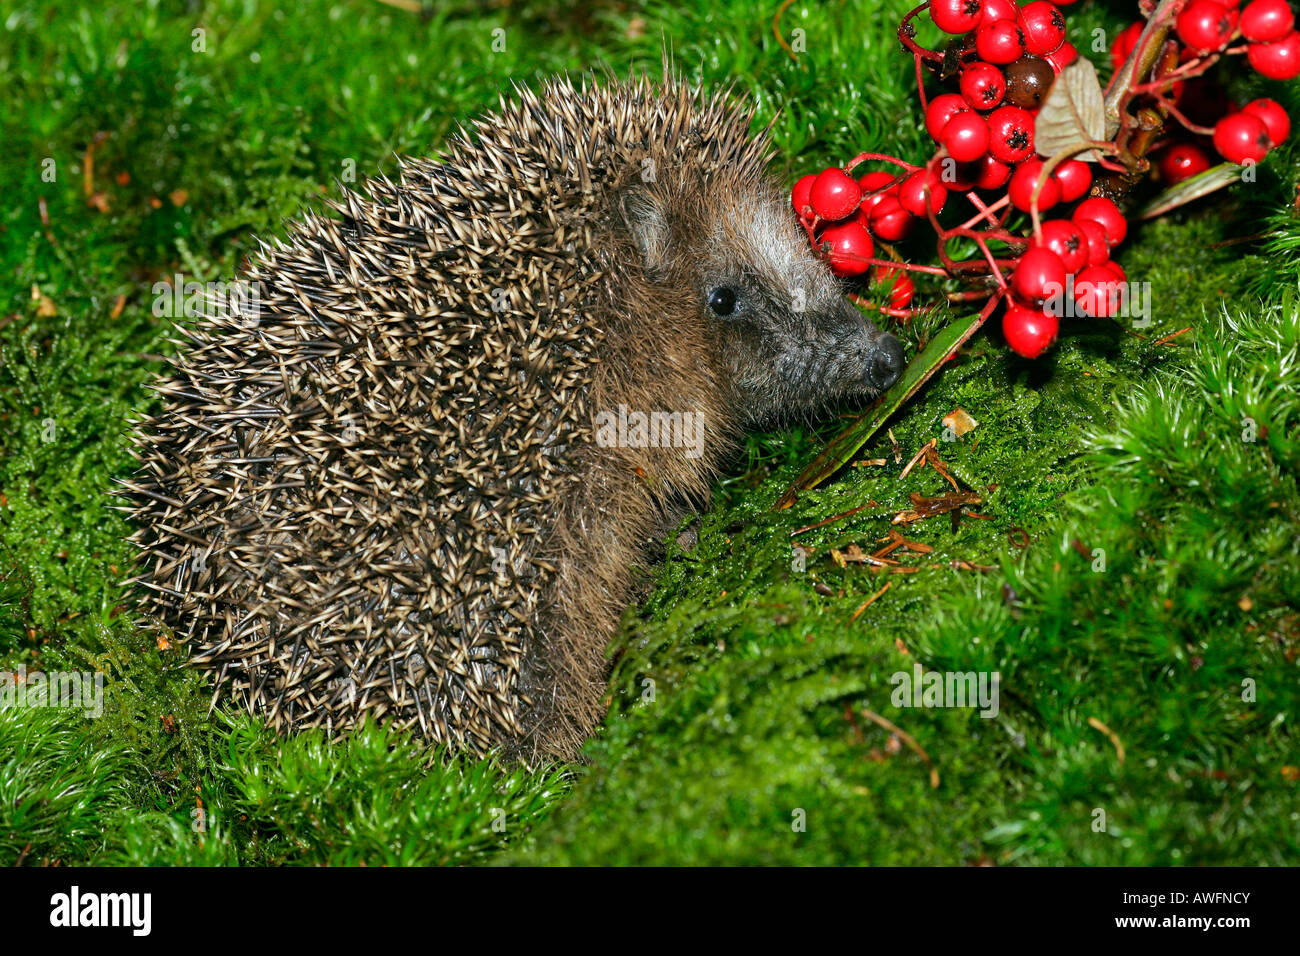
column 416, row 481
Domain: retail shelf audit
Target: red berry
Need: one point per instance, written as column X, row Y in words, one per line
column 889, row 220
column 1274, row 118
column 999, row 10
column 941, row 109
column 801, row 196
column 1125, row 43
column 982, row 85
column 1074, row 178
column 1039, row 275
column 1098, row 291
column 1206, row 25
column 1264, row 21
column 1182, row 161
column 848, row 244
column 1116, row 270
column 991, row 173
column 1029, row 332
column 834, row 194
column 1025, row 180
column 1011, row 133
column 1279, row 60
column 1062, row 57
column 912, row 194
column 966, row 137
column 1094, row 240
column 1241, row 137
column 1064, row 238
column 1106, row 214
column 1044, row 27
column 875, row 186
column 956, row 16
column 875, row 181
column 899, row 284
column 1000, row 42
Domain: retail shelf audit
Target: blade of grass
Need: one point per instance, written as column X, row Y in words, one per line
column 1191, row 189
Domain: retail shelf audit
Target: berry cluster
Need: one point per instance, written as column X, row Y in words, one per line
column 1210, row 121
column 999, row 68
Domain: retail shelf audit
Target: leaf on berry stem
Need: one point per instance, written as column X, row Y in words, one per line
column 1074, row 113
column 1202, row 184
column 845, row 445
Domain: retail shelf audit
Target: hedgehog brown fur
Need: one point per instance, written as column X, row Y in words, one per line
column 382, row 494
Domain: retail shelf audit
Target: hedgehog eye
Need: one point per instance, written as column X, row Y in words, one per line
column 722, row 301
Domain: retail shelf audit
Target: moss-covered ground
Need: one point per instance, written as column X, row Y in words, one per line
column 1133, row 580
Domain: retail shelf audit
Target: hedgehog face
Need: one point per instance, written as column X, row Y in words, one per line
column 790, row 339
column 787, row 339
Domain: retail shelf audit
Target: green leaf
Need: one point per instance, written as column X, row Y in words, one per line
column 1202, row 184
column 1073, row 114
column 845, row 445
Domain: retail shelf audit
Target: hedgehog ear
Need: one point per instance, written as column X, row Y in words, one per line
column 647, row 223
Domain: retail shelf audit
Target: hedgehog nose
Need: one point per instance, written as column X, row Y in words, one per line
column 887, row 362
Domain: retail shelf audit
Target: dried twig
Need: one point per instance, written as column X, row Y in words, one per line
column 1114, row 738
column 776, row 30
column 906, row 738
column 923, row 508
column 833, row 518
column 867, row 602
column 917, row 457
column 1171, row 336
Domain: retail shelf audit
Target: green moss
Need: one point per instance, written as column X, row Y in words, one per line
column 374, row 799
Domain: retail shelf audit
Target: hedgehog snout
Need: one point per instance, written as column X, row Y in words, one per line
column 885, row 363
column 873, row 359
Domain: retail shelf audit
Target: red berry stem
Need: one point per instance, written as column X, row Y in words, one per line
column 906, row 32
column 986, row 212
column 993, row 264
column 878, row 157
column 920, row 83
column 1185, row 71
column 904, row 314
column 1167, row 106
